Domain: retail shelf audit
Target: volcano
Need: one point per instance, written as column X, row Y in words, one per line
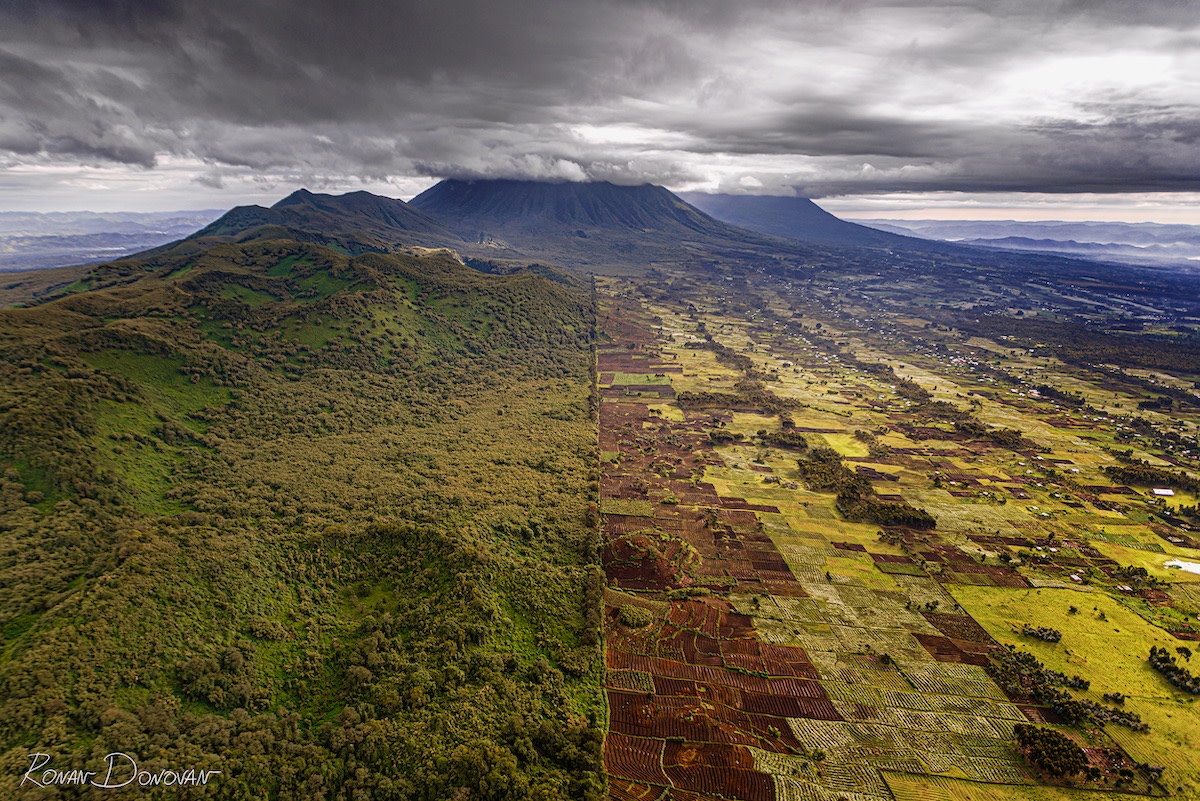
column 794, row 218
column 597, row 222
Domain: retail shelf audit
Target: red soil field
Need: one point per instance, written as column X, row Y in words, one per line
column 715, row 687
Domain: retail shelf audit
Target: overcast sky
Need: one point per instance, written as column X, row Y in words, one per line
column 880, row 108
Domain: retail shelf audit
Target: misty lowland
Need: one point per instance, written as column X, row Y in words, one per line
column 576, row 490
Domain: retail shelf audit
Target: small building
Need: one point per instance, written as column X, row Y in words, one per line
column 1159, row 492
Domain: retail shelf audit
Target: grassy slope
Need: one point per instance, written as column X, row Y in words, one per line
column 1110, row 651
column 20, row 287
column 318, row 523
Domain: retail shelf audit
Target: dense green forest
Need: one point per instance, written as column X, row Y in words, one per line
column 822, row 469
column 321, row 523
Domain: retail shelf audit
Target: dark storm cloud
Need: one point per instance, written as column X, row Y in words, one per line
column 866, row 96
column 825, row 129
column 61, row 119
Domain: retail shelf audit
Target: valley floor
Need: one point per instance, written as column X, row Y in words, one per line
column 761, row 645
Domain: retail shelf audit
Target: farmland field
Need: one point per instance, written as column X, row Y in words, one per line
column 822, row 530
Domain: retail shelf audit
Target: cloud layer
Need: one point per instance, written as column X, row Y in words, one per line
column 1054, row 96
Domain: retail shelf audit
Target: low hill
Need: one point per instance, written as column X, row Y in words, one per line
column 318, row 522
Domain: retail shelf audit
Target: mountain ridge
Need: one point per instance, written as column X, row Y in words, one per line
column 356, row 221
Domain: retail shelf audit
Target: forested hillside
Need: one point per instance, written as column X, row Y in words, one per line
column 320, row 523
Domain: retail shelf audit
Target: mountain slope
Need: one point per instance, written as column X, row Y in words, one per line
column 336, row 508
column 355, row 222
column 792, row 217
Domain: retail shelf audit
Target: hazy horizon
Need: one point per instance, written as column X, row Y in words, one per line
column 943, row 206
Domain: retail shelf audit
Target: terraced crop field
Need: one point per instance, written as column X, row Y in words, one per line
column 825, row 533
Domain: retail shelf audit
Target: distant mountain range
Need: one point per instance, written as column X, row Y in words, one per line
column 594, row 225
column 30, row 240
column 1152, row 244
column 499, row 224
column 589, row 224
